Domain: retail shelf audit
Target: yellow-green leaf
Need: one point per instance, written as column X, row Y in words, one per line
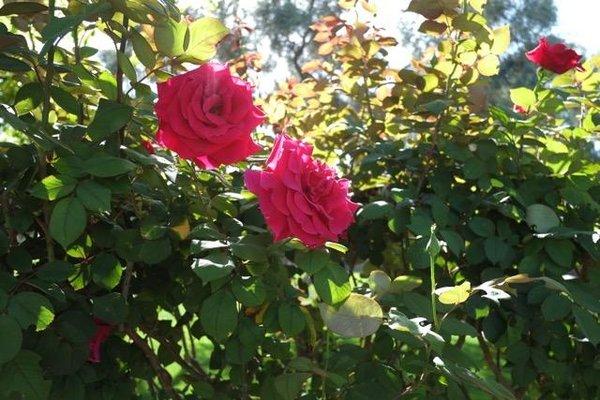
column 454, row 294
column 489, row 65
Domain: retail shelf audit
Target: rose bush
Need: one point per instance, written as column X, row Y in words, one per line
column 131, row 269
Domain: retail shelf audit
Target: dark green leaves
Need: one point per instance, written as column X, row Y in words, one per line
column 142, row 49
column 107, row 166
column 541, row 218
column 30, row 308
column 109, row 118
column 23, row 377
column 68, row 221
column 219, row 315
column 214, row 266
column 11, row 335
column 110, row 308
column 54, row 187
column 94, row 196
column 106, row 271
column 482, row 226
column 291, row 319
column 22, row 8
column 312, row 261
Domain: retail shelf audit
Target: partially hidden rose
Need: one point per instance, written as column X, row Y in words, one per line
column 519, row 109
column 148, row 146
column 207, row 115
column 301, row 197
column 103, row 331
column 555, row 57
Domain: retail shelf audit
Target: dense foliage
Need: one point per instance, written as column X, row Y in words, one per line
column 126, row 271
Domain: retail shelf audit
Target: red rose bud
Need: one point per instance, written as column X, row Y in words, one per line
column 148, row 146
column 207, row 115
column 301, row 197
column 556, row 57
column 103, row 331
column 519, row 109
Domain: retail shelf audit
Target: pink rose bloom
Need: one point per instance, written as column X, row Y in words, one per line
column 207, row 115
column 301, row 197
column 556, row 57
column 103, row 331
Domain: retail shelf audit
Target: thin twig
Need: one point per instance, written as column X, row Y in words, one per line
column 162, row 375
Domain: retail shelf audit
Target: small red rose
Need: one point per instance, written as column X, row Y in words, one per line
column 555, row 57
column 207, row 115
column 519, row 109
column 103, row 331
column 301, row 197
column 148, row 146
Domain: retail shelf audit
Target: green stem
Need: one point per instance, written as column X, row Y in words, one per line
column 42, row 171
column 436, row 322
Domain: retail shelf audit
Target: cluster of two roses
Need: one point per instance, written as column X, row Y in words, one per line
column 207, row 115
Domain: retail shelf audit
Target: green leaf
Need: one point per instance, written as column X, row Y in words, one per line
column 53, row 187
column 560, row 251
column 482, row 226
column 212, row 267
column 249, row 249
column 464, row 375
column 55, row 271
column 24, row 377
column 106, row 271
column 12, row 338
column 332, row 284
column 432, row 9
column 142, row 49
column 22, row 8
column 455, row 242
column 107, row 166
column 375, row 210
column 379, row 281
column 489, row 65
column 203, row 36
column 30, row 308
column 541, row 218
column 109, row 118
column 405, row 283
column 65, row 100
column 501, row 40
column 249, row 292
column 170, row 37
column 126, row 66
column 312, row 261
column 556, row 307
column 358, row 316
column 94, row 196
column 219, row 315
column 523, row 97
column 289, row 385
column 454, row 294
column 12, row 64
column 588, row 324
column 110, row 308
column 29, row 96
column 495, row 249
column 291, row 319
column 68, row 221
